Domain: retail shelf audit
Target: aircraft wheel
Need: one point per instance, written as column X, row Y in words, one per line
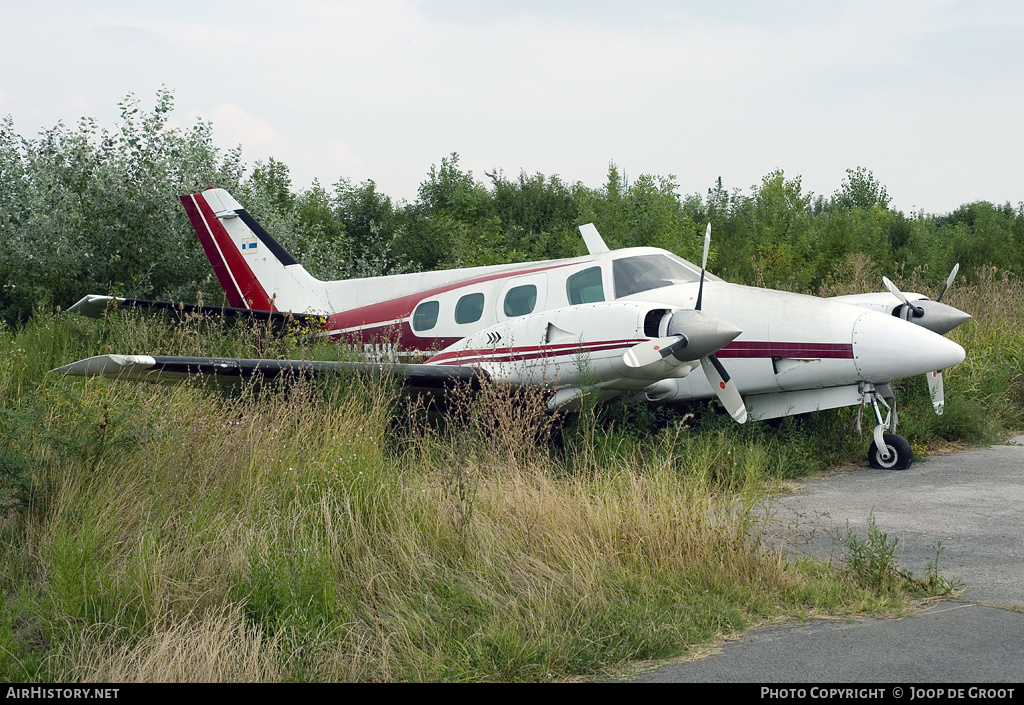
column 901, row 455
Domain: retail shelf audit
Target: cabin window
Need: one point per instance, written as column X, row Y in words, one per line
column 644, row 272
column 469, row 309
column 425, row 315
column 521, row 300
column 585, row 287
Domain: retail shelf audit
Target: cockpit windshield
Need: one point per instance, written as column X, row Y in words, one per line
column 644, row 272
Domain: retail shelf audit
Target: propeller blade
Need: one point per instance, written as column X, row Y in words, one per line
column 707, row 247
column 651, row 351
column 949, row 281
column 918, row 311
column 935, row 389
column 703, row 266
column 724, row 388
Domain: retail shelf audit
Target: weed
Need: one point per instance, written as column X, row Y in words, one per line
column 934, row 582
column 872, row 562
column 920, row 449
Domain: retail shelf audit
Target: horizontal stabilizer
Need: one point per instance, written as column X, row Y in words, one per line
column 95, row 306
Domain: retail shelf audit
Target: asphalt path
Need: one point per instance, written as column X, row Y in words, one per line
column 971, row 502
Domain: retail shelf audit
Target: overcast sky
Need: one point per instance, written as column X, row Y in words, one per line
column 928, row 94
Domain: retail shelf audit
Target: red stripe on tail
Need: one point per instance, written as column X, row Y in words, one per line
column 239, row 283
column 212, row 253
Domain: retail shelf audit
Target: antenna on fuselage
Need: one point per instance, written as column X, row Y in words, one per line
column 595, row 243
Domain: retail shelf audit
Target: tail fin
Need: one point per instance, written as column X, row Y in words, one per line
column 255, row 271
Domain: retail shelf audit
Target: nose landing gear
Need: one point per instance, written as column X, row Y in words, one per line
column 888, row 451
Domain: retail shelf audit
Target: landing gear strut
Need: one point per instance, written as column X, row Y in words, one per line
column 888, row 451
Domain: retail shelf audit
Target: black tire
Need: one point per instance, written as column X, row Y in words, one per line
column 902, row 455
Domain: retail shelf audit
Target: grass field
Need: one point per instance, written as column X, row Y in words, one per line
column 330, row 531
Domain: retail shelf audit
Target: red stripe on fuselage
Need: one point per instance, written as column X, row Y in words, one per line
column 743, row 349
column 799, row 351
column 533, row 352
column 399, row 334
column 380, row 317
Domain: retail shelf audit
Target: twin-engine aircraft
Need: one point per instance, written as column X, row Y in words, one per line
column 632, row 324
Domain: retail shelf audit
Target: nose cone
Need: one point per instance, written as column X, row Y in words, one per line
column 887, row 348
column 938, row 317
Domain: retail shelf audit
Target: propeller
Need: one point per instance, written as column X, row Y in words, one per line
column 693, row 335
column 935, row 316
column 941, row 319
column 722, row 384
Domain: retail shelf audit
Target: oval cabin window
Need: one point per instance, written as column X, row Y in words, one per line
column 425, row 316
column 470, row 308
column 585, row 287
column 520, row 300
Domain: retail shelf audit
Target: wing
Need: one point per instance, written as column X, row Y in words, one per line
column 227, row 370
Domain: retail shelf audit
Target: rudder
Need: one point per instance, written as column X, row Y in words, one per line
column 254, row 270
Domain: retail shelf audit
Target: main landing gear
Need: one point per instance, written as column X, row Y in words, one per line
column 888, row 451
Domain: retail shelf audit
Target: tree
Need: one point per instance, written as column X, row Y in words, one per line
column 780, row 222
column 532, row 204
column 89, row 210
column 644, row 213
column 372, row 227
column 860, row 189
column 271, row 185
column 536, row 216
column 452, row 191
column 981, row 234
column 323, row 243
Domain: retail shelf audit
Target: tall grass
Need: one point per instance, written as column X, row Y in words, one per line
column 326, row 531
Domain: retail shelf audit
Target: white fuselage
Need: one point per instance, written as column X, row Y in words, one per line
column 792, row 347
